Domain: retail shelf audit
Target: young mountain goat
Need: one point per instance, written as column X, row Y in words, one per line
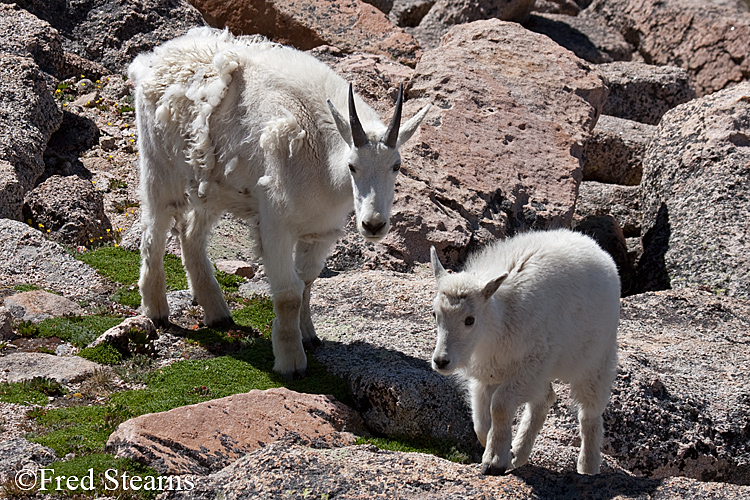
column 525, row 311
column 270, row 134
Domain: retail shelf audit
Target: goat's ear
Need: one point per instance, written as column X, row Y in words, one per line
column 491, row 287
column 437, row 267
column 407, row 129
column 342, row 124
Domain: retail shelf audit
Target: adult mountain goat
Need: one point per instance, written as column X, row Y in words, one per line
column 270, row 134
column 525, row 311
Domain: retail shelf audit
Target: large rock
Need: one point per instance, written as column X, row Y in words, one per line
column 17, row 454
column 681, row 401
column 708, row 39
column 206, row 437
column 696, row 182
column 39, row 305
column 614, row 152
column 642, row 92
column 27, row 257
column 25, row 35
column 448, row 13
column 351, row 26
column 28, row 116
column 590, row 40
column 296, row 470
column 113, row 32
column 69, row 210
column 22, row 366
column 621, row 202
column 501, row 149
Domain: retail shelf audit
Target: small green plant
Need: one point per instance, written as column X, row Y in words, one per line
column 115, row 184
column 47, row 386
column 122, row 206
column 78, row 330
column 26, row 329
column 437, row 447
column 103, row 353
column 45, row 350
column 34, row 391
column 26, row 287
column 135, row 369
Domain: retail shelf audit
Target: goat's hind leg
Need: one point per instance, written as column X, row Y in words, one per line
column 592, row 397
column 532, row 420
column 309, row 259
column 194, row 233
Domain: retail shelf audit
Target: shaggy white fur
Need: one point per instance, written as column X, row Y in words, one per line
column 526, row 311
column 242, row 125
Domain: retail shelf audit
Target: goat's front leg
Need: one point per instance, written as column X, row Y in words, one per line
column 309, row 260
column 497, row 455
column 286, row 291
column 481, row 398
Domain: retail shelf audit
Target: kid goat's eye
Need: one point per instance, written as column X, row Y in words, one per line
column 396, row 167
column 351, row 168
column 469, row 321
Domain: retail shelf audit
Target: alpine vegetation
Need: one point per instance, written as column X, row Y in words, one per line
column 525, row 311
column 272, row 135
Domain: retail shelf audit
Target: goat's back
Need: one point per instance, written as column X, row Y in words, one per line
column 562, row 293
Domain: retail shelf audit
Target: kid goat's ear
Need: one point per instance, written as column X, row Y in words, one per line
column 437, row 267
column 491, row 287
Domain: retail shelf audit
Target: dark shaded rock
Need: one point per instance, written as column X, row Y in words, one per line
column 643, row 93
column 18, row 453
column 614, row 152
column 24, row 35
column 28, row 117
column 113, row 32
column 707, row 39
column 695, row 188
column 71, row 209
column 622, row 202
column 589, row 40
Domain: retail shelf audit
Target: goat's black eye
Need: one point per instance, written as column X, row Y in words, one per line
column 351, row 168
column 469, row 321
column 396, row 167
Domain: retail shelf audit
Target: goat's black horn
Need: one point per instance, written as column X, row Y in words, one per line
column 390, row 138
column 358, row 133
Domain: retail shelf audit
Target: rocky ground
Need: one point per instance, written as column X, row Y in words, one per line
column 598, row 117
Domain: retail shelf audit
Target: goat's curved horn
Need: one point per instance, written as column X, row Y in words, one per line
column 359, row 138
column 390, row 138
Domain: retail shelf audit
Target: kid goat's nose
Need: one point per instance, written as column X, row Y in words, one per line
column 440, row 362
column 374, row 225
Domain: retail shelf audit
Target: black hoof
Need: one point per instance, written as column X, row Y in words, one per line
column 489, row 470
column 223, row 323
column 290, row 377
column 316, row 342
column 160, row 322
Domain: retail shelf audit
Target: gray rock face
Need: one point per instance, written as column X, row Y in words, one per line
column 696, row 182
column 709, row 40
column 22, row 366
column 366, row 472
column 591, row 41
column 24, row 35
column 70, row 208
column 113, row 32
column 29, row 116
column 6, row 324
column 681, row 401
column 39, row 305
column 643, row 93
column 17, row 454
column 614, row 152
column 622, row 202
column 27, row 257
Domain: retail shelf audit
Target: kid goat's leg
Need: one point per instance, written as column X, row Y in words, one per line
column 194, row 235
column 532, row 421
column 592, row 398
column 309, row 260
column 496, row 458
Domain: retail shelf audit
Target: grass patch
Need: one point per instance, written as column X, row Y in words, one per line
column 104, row 354
column 26, row 287
column 441, row 448
column 34, row 391
column 78, row 330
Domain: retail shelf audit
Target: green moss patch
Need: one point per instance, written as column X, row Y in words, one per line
column 78, row 330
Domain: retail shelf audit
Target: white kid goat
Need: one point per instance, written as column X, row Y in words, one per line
column 525, row 311
column 272, row 135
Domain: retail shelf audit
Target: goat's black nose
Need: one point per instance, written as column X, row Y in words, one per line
column 440, row 363
column 373, row 227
